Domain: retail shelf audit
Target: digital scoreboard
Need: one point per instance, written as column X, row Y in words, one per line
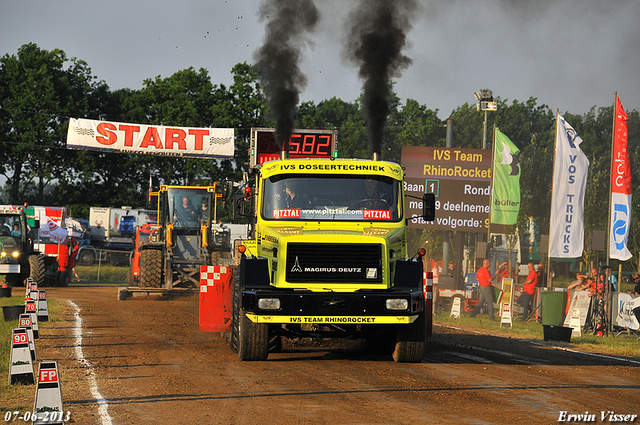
column 302, row 144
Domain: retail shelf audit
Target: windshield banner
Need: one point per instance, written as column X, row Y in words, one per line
column 330, row 213
column 150, row 139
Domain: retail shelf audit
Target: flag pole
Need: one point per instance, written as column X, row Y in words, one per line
column 613, row 135
column 608, row 294
column 493, row 174
column 553, row 184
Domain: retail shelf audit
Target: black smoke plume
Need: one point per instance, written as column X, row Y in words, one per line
column 288, row 22
column 376, row 39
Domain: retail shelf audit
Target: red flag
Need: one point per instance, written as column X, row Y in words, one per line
column 620, row 215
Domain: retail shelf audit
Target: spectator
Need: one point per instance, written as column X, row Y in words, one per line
column 581, row 282
column 542, row 276
column 436, row 270
column 528, row 289
column 635, row 279
column 450, row 268
column 485, row 289
column 502, row 272
column 612, row 280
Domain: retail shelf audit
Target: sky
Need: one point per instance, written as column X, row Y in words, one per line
column 569, row 54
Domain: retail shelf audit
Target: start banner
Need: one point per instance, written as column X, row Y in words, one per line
column 150, row 139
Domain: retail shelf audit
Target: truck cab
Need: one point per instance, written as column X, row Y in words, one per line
column 329, row 259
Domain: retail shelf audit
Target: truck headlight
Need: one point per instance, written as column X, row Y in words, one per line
column 269, row 304
column 15, row 254
column 397, row 304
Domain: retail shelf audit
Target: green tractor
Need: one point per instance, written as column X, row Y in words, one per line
column 18, row 258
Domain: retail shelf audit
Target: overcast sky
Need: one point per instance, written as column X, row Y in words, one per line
column 570, row 54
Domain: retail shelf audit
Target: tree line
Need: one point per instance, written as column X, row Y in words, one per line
column 40, row 90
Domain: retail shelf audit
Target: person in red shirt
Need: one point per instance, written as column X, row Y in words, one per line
column 528, row 289
column 485, row 290
column 503, row 271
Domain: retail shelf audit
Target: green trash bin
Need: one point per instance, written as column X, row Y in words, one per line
column 553, row 304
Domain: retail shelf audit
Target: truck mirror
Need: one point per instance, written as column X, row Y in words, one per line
column 227, row 189
column 429, row 207
column 36, row 223
column 238, row 206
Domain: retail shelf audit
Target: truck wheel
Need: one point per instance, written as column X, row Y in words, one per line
column 275, row 342
column 233, row 336
column 86, row 258
column 37, row 268
column 253, row 339
column 151, row 268
column 410, row 343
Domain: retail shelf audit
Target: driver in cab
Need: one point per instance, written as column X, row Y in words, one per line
column 291, row 196
column 187, row 211
column 371, row 198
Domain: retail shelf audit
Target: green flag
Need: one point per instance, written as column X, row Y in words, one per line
column 505, row 198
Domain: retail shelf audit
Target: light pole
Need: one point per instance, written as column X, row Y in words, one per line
column 485, row 103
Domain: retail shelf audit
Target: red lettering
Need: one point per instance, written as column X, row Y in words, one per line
column 175, row 135
column 129, row 130
column 199, row 135
column 106, row 129
column 151, row 138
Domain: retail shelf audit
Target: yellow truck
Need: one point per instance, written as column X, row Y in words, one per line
column 328, row 259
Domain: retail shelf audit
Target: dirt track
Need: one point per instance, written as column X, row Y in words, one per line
column 149, row 363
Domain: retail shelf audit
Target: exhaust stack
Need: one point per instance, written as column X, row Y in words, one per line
column 283, row 140
column 377, row 156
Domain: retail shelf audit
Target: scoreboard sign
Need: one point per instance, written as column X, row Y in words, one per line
column 459, row 178
column 302, row 144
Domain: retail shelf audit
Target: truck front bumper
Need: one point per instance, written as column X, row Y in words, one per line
column 358, row 308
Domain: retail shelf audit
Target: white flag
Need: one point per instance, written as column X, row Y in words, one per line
column 56, row 233
column 566, row 231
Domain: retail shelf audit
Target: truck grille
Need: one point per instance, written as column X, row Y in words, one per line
column 334, row 263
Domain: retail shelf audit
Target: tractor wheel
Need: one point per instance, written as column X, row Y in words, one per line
column 37, row 268
column 410, row 343
column 151, row 268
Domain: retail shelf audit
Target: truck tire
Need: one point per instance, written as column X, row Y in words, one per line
column 37, row 268
column 410, row 342
column 235, row 309
column 86, row 257
column 151, row 268
column 250, row 340
column 253, row 339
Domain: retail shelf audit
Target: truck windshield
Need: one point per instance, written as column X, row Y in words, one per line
column 10, row 232
column 188, row 208
column 306, row 197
